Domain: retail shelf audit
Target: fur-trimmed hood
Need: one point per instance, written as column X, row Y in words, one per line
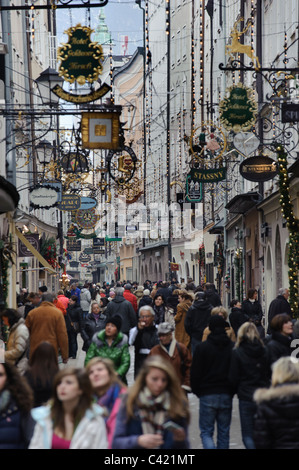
column 285, row 391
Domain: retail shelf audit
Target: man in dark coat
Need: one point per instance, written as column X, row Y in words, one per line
column 122, row 307
column 164, row 290
column 197, row 318
column 212, row 295
column 279, row 305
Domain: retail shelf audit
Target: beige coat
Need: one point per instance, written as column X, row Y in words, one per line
column 17, row 346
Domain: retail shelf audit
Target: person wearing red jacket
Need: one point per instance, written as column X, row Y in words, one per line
column 130, row 297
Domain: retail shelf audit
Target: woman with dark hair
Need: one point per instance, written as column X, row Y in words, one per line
column 70, row 420
column 159, row 309
column 43, row 366
column 236, row 317
column 18, row 339
column 16, row 400
column 279, row 343
column 253, row 309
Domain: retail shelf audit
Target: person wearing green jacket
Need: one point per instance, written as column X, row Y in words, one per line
column 111, row 343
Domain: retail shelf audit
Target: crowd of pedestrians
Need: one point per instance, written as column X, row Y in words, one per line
column 184, row 341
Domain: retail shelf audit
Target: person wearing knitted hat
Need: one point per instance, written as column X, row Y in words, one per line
column 113, row 344
column 209, row 381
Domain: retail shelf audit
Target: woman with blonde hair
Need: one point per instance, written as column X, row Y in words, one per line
column 108, row 390
column 70, row 420
column 249, row 370
column 276, row 423
column 155, row 411
column 229, row 330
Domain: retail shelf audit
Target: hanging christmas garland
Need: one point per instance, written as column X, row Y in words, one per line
column 202, row 256
column 49, row 251
column 238, row 261
column 287, row 210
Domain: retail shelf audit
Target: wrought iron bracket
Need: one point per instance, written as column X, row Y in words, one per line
column 53, row 5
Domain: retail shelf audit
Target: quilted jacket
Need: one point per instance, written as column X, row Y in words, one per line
column 118, row 352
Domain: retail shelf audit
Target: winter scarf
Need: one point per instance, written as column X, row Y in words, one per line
column 153, row 411
column 108, row 399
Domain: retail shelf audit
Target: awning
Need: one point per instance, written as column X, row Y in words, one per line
column 242, row 203
column 30, row 247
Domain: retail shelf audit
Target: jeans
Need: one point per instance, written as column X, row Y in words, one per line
column 73, row 344
column 216, row 408
column 247, row 411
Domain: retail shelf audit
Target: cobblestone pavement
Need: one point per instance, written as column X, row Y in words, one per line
column 195, row 441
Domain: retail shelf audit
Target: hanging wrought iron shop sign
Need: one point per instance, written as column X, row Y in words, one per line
column 100, row 130
column 238, row 111
column 43, row 196
column 80, row 57
column 258, row 168
column 193, row 190
column 80, row 61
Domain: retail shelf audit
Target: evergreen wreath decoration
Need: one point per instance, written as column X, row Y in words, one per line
column 49, row 251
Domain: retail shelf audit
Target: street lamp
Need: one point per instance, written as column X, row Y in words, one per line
column 44, row 150
column 47, row 80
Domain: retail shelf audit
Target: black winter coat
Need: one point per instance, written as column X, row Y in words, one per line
column 197, row 318
column 236, row 318
column 145, row 340
column 278, row 305
column 16, row 428
column 92, row 326
column 249, row 369
column 210, row 365
column 74, row 314
column 122, row 307
column 145, row 300
column 253, row 310
column 276, row 423
column 278, row 346
column 213, row 298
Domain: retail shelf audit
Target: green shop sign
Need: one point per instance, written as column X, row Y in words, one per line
column 211, row 175
column 238, row 111
column 80, row 57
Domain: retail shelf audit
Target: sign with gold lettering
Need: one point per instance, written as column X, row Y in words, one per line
column 81, row 59
column 69, row 202
column 238, row 111
column 258, row 168
column 210, row 175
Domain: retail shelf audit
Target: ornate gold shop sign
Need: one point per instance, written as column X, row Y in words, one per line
column 81, row 62
column 238, row 110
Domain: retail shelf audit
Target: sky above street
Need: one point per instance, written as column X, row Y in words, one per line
column 123, row 18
